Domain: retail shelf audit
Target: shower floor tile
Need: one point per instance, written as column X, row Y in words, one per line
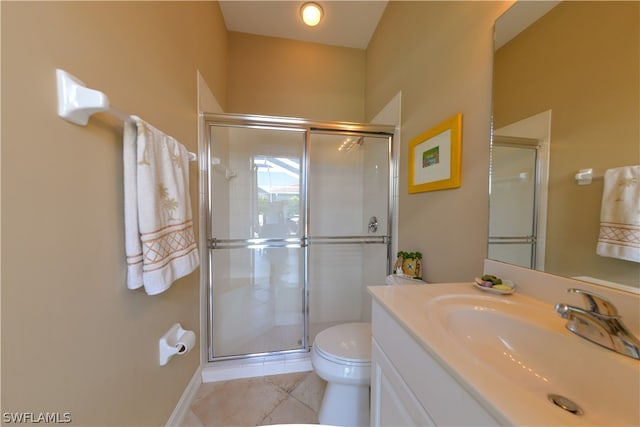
column 276, row 399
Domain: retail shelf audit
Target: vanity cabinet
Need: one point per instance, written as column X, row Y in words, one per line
column 393, row 402
column 409, row 387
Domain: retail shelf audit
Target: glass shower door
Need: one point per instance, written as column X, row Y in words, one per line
column 512, row 200
column 257, row 304
column 348, row 225
column 297, row 228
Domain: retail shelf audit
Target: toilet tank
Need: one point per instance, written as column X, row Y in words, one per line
column 396, row 279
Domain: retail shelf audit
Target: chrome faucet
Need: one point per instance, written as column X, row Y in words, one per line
column 599, row 323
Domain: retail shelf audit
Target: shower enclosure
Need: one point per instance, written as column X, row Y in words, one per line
column 298, row 225
column 514, row 200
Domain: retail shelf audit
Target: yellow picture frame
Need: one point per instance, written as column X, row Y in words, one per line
column 435, row 157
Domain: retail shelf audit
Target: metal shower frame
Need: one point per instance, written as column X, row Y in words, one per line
column 208, row 161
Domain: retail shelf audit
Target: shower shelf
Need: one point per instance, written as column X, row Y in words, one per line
column 228, row 173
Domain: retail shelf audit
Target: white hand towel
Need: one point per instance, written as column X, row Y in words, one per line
column 620, row 214
column 159, row 239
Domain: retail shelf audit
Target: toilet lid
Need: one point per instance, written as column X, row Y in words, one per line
column 350, row 342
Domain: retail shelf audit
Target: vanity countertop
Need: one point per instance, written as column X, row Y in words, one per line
column 500, row 391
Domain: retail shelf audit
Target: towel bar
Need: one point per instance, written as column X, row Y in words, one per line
column 76, row 102
column 585, row 176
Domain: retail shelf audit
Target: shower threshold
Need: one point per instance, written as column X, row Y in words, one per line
column 257, row 366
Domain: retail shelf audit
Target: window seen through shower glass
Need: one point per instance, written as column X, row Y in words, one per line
column 278, row 196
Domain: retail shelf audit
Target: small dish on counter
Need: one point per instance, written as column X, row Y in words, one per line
column 494, row 290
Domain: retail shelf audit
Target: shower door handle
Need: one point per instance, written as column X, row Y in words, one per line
column 292, row 242
column 373, row 224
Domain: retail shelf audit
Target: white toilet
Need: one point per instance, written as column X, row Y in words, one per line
column 341, row 355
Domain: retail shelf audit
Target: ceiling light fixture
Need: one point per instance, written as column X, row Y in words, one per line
column 311, row 14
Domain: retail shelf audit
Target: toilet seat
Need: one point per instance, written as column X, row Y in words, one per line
column 340, row 361
column 349, row 343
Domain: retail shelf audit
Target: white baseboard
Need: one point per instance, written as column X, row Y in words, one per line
column 184, row 404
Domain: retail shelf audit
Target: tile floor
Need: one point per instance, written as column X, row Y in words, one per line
column 275, row 399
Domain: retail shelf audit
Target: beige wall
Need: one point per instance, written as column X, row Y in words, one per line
column 74, row 339
column 580, row 61
column 279, row 77
column 439, row 54
column 64, row 301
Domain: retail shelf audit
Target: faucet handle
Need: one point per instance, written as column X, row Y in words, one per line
column 596, row 303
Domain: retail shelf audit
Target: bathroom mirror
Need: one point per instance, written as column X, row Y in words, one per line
column 565, row 98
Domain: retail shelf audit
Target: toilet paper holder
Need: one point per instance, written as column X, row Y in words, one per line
column 176, row 341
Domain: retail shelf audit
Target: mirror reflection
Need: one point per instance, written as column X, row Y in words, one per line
column 565, row 96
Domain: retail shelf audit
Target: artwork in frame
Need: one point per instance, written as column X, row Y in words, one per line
column 434, row 157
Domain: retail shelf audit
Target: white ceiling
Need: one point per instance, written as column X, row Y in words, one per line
column 349, row 23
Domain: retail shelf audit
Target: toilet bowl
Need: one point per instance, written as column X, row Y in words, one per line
column 341, row 355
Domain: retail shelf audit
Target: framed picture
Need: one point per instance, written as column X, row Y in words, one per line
column 434, row 157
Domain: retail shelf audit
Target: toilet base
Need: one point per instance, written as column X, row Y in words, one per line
column 345, row 405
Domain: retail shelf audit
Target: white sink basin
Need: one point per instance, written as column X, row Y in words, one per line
column 528, row 346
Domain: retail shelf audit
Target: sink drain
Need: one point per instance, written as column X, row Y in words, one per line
column 565, row 403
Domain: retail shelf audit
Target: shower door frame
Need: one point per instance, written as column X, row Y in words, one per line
column 287, row 124
column 533, row 240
